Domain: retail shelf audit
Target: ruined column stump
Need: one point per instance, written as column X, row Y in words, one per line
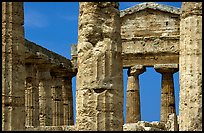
column 190, row 67
column 133, row 113
column 99, row 93
column 167, row 90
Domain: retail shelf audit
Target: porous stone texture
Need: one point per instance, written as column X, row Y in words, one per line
column 167, row 90
column 133, row 113
column 49, row 100
column 150, row 34
column 31, row 96
column 67, row 101
column 172, row 123
column 99, row 83
column 45, row 97
column 13, row 76
column 52, row 128
column 190, row 67
column 144, row 126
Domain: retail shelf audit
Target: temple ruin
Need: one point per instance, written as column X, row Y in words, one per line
column 37, row 83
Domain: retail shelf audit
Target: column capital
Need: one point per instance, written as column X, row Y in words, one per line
column 166, row 68
column 136, row 70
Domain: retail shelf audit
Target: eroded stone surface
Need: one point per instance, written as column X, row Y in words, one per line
column 172, row 123
column 144, row 126
column 99, row 94
column 13, row 68
column 133, row 113
column 190, row 67
column 167, row 90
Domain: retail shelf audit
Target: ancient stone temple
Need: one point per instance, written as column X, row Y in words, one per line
column 37, row 83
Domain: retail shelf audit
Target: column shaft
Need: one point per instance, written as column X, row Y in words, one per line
column 13, row 66
column 190, row 67
column 67, row 101
column 57, row 103
column 29, row 102
column 99, row 94
column 31, row 96
column 167, row 96
column 167, row 90
column 45, row 97
column 133, row 113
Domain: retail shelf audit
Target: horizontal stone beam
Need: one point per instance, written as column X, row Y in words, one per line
column 38, row 55
column 146, row 51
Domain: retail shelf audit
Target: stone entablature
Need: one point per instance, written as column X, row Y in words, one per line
column 150, row 34
column 39, row 55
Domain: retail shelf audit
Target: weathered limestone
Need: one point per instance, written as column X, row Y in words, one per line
column 52, row 128
column 67, row 101
column 190, row 61
column 172, row 123
column 58, row 82
column 167, row 91
column 57, row 100
column 150, row 34
column 45, row 106
column 133, row 113
column 99, row 94
column 31, row 96
column 13, row 68
column 144, row 126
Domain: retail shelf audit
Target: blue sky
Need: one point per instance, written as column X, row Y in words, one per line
column 54, row 25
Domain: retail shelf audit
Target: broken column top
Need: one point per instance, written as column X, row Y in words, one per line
column 137, row 69
column 150, row 5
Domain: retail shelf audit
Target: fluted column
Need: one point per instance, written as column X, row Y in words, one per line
column 57, row 103
column 13, row 67
column 31, row 91
column 45, row 109
column 190, row 67
column 167, row 90
column 133, row 113
column 99, row 82
column 67, row 101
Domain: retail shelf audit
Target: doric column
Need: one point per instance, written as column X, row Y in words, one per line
column 45, row 109
column 167, row 90
column 67, row 101
column 133, row 94
column 99, row 91
column 57, row 103
column 13, row 66
column 31, row 96
column 190, row 67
